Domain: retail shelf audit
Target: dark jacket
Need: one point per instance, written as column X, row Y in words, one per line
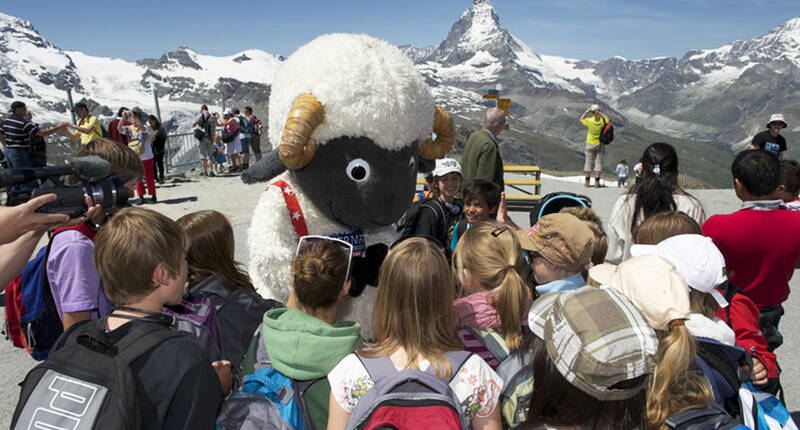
column 481, row 159
column 435, row 220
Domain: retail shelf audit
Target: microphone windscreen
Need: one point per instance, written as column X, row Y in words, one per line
column 91, row 166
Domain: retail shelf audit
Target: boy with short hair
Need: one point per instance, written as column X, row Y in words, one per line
column 759, row 241
column 141, row 257
column 559, row 250
column 481, row 202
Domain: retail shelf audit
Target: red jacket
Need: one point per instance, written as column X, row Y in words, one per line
column 744, row 322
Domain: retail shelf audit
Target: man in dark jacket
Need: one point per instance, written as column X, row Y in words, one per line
column 481, row 159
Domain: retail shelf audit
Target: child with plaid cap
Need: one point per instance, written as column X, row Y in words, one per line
column 592, row 352
column 559, row 248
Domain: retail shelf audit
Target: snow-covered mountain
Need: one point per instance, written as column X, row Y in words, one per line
column 36, row 71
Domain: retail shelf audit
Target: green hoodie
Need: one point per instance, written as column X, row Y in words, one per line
column 304, row 347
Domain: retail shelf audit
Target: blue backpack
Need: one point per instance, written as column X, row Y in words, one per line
column 32, row 319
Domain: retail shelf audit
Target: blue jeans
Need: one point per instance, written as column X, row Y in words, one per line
column 20, row 158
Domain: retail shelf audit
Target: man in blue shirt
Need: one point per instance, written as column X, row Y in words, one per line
column 18, row 132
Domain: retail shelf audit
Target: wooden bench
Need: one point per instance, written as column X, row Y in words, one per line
column 525, row 201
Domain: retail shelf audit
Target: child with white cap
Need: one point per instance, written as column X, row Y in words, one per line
column 727, row 321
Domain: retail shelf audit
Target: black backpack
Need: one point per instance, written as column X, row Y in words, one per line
column 711, row 417
column 607, row 134
column 86, row 382
column 407, row 225
column 553, row 203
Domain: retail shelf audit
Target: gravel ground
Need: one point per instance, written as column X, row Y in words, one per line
column 230, row 196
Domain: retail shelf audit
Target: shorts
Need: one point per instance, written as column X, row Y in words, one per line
column 206, row 149
column 594, row 157
column 245, row 141
column 255, row 143
column 234, row 147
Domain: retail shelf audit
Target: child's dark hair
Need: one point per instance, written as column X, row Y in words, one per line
column 758, row 171
column 319, row 271
column 663, row 226
column 211, row 250
column 790, row 176
column 487, row 191
column 556, row 402
column 653, row 191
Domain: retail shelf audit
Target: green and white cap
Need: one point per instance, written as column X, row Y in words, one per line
column 596, row 338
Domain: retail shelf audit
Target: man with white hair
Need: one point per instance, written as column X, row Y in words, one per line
column 594, row 150
column 481, row 159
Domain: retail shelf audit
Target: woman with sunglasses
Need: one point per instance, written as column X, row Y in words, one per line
column 413, row 324
column 304, row 341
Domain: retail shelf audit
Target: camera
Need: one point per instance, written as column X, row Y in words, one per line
column 108, row 193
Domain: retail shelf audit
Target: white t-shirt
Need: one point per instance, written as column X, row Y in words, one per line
column 144, row 135
column 622, row 171
column 619, row 233
column 477, row 386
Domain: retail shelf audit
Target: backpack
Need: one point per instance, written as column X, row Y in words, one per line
column 32, row 319
column 513, row 367
column 553, row 203
column 229, row 136
column 409, row 399
column 197, row 310
column 768, row 413
column 607, row 134
column 267, row 399
column 245, row 125
column 87, row 382
column 407, row 225
column 711, row 417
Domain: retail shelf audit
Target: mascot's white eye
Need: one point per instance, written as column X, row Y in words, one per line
column 358, row 170
column 412, row 163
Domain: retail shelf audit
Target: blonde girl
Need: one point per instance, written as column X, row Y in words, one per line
column 413, row 324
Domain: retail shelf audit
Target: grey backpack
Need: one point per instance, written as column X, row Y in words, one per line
column 409, row 399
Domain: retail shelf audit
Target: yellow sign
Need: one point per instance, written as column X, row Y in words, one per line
column 490, row 96
column 504, row 105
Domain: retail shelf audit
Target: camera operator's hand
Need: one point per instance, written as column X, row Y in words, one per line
column 18, row 220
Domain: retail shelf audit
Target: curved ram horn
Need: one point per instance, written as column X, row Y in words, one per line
column 297, row 149
column 445, row 136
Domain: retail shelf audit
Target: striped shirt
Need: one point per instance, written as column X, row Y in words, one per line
column 18, row 131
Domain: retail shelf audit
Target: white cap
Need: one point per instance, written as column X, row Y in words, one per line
column 594, row 108
column 777, row 118
column 228, row 112
column 696, row 258
column 445, row 166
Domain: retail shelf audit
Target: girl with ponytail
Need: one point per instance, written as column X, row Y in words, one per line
column 655, row 192
column 489, row 266
column 661, row 294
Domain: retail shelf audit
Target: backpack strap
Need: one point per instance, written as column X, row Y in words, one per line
column 293, row 206
column 380, row 367
column 141, row 339
column 493, row 343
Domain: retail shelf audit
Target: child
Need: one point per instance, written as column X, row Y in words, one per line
column 666, row 224
column 789, row 187
column 304, row 341
column 219, row 155
column 559, row 249
column 214, row 273
column 481, row 201
column 413, row 321
column 622, row 173
column 73, row 279
column 580, row 383
column 437, row 214
column 141, row 258
column 491, row 271
column 660, row 293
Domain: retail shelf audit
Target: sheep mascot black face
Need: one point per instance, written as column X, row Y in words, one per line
column 352, row 119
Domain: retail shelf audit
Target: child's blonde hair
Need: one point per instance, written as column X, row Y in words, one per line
column 414, row 308
column 130, row 246
column 492, row 254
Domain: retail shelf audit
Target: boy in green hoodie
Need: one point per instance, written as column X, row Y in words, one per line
column 303, row 341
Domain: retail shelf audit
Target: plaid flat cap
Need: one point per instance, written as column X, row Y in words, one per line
column 596, row 338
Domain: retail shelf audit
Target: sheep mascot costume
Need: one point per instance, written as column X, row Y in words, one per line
column 353, row 120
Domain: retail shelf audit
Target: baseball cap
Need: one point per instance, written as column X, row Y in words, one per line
column 777, row 118
column 16, row 105
column 596, row 338
column 228, row 112
column 594, row 108
column 696, row 258
column 652, row 283
column 445, row 166
column 79, row 105
column 561, row 239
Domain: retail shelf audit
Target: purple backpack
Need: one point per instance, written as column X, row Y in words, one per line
column 199, row 310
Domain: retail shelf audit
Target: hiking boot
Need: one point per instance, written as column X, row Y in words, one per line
column 586, row 182
column 153, row 200
column 597, row 183
column 139, row 201
column 212, row 174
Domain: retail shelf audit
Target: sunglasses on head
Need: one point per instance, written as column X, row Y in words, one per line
column 306, row 241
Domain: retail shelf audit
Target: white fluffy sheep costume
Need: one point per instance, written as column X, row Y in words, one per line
column 353, row 120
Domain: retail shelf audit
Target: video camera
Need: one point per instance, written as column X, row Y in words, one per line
column 107, row 192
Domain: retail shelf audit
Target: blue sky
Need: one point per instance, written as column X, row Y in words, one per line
column 593, row 29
